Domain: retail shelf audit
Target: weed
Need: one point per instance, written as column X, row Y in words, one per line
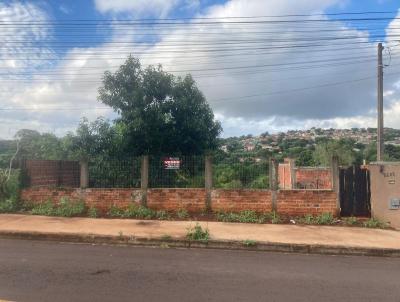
column 249, row 243
column 115, row 212
column 198, row 234
column 68, row 208
column 163, row 215
column 275, row 219
column 166, row 237
column 8, row 206
column 324, row 218
column 45, row 208
column 145, row 213
column 307, row 219
column 350, row 220
column 248, row 216
column 93, row 212
column 120, row 234
column 182, row 214
column 164, row 245
column 375, row 223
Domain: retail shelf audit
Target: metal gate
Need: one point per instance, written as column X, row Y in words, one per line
column 355, row 192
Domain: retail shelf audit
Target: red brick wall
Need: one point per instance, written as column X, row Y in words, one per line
column 301, row 202
column 239, row 200
column 102, row 199
column 193, row 200
column 313, row 178
column 290, row 202
column 52, row 173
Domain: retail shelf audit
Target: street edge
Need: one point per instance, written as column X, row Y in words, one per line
column 210, row 244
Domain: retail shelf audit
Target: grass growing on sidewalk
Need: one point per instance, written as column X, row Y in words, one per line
column 197, row 233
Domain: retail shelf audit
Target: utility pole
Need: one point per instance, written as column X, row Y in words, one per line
column 380, row 143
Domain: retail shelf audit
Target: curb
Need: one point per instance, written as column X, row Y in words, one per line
column 211, row 244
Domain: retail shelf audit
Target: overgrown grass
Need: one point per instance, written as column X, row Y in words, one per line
column 138, row 212
column 248, row 216
column 249, row 242
column 321, row 219
column 66, row 208
column 93, row 212
column 182, row 214
column 9, row 192
column 350, row 220
column 197, row 233
column 375, row 223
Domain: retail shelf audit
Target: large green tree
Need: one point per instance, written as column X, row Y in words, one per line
column 158, row 112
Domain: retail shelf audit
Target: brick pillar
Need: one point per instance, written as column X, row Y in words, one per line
column 144, row 178
column 208, row 174
column 273, row 182
column 84, row 181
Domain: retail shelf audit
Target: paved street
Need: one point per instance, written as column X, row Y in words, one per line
column 48, row 271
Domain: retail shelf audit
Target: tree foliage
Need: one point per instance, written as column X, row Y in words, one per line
column 159, row 113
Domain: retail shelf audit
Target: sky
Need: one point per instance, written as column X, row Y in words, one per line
column 260, row 68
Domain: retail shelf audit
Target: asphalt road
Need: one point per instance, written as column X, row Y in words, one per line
column 49, row 271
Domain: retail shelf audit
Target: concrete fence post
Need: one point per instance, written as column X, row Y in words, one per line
column 273, row 182
column 335, row 180
column 208, row 181
column 292, row 165
column 84, row 176
column 144, row 178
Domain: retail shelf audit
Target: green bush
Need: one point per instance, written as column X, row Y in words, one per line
column 68, row 208
column 275, row 218
column 163, row 215
column 93, row 212
column 182, row 214
column 248, row 216
column 45, row 208
column 350, row 220
column 375, row 223
column 114, row 211
column 322, row 219
column 198, row 234
column 9, row 192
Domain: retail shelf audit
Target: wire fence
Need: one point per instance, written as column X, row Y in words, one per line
column 176, row 172
column 243, row 172
column 115, row 173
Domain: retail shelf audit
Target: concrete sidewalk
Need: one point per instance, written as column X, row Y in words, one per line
column 310, row 239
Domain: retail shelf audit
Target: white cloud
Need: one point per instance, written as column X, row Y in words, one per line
column 159, row 8
column 339, row 106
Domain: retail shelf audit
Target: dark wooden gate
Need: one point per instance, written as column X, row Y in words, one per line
column 355, row 192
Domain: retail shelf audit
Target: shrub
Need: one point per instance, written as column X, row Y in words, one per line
column 114, row 211
column 9, row 191
column 140, row 212
column 350, row 220
column 45, row 208
column 198, row 234
column 163, row 215
column 324, row 218
column 182, row 214
column 144, row 213
column 248, row 216
column 68, row 208
column 375, row 223
column 275, row 219
column 93, row 212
